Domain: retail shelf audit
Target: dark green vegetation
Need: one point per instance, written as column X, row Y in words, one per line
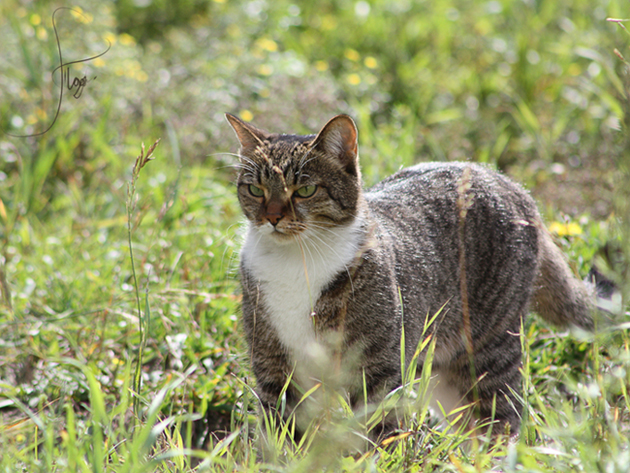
column 532, row 87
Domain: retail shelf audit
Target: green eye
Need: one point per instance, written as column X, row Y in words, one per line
column 256, row 191
column 306, row 191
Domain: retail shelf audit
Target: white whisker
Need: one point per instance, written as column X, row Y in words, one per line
column 321, row 240
column 232, row 269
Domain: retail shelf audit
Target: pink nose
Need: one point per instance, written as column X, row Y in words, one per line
column 274, row 211
column 274, row 218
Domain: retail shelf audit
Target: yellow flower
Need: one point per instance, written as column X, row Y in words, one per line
column 126, row 39
column 109, row 37
column 265, row 70
column 565, row 229
column 354, row 79
column 352, row 55
column 246, row 115
column 35, row 19
column 3, row 211
column 321, row 66
column 131, row 65
column 140, row 76
column 42, row 34
column 81, row 16
column 370, row 62
column 267, row 44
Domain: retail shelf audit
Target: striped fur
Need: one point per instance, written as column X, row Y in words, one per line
column 329, row 281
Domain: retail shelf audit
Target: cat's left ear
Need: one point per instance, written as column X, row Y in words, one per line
column 338, row 139
column 249, row 136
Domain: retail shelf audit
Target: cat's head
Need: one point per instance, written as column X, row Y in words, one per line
column 290, row 185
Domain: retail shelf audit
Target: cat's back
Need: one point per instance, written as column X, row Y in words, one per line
column 430, row 196
column 421, row 210
column 445, row 182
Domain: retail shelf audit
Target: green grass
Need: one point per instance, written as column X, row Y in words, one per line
column 533, row 88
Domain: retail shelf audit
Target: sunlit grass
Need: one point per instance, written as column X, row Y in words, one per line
column 534, row 89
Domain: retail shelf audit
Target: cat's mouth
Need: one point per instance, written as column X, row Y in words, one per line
column 281, row 232
column 274, row 231
column 284, row 234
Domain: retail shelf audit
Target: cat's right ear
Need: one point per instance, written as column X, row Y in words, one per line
column 338, row 138
column 249, row 136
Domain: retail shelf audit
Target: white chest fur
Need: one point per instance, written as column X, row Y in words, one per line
column 292, row 277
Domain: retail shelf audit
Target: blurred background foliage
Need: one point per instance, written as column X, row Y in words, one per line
column 538, row 89
column 520, row 84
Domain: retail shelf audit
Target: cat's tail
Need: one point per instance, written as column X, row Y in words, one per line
column 559, row 296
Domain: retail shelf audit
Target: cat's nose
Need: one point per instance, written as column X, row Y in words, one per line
column 274, row 211
column 274, row 218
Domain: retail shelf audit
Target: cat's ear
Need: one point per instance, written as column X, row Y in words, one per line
column 249, row 136
column 338, row 139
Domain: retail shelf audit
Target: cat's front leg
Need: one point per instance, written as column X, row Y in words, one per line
column 269, row 358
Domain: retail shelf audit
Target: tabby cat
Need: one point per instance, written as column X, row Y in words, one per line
column 331, row 274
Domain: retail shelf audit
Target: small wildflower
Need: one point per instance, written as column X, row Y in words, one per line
column 370, row 62
column 354, row 79
column 81, row 16
column 267, row 44
column 126, row 39
column 565, row 229
column 321, row 66
column 352, row 55
column 3, row 211
column 246, row 115
column 42, row 34
column 264, row 70
column 110, row 38
column 141, row 76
